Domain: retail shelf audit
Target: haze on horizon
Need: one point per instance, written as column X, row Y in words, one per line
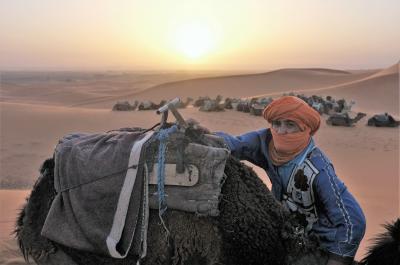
column 193, row 35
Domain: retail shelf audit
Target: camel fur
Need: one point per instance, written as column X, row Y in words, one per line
column 253, row 228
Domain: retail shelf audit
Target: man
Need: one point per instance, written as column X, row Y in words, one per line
column 302, row 176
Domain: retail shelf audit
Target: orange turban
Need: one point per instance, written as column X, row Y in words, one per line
column 294, row 109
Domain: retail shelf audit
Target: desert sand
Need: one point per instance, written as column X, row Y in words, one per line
column 37, row 111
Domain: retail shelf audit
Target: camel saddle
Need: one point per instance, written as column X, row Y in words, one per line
column 106, row 182
column 194, row 173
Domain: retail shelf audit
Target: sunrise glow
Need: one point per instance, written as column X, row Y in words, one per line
column 253, row 35
column 193, row 40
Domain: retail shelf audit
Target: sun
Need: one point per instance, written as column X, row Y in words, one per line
column 194, row 40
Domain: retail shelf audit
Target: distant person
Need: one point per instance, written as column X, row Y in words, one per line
column 302, row 176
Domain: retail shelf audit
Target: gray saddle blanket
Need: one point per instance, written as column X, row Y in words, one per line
column 100, row 186
column 103, row 195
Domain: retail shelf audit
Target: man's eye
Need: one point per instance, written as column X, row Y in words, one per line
column 290, row 124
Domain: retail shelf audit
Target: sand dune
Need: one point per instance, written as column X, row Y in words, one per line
column 255, row 84
column 77, row 89
column 381, row 85
column 35, row 114
column 104, row 94
column 377, row 93
column 394, row 69
column 373, row 95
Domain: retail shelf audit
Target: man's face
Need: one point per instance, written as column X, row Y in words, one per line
column 283, row 126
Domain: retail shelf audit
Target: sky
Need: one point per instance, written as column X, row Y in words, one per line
column 189, row 35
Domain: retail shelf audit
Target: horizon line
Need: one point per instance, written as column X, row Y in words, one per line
column 93, row 70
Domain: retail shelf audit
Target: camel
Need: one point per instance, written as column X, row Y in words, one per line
column 328, row 105
column 256, row 109
column 125, row 106
column 386, row 247
column 200, row 101
column 317, row 103
column 149, row 105
column 383, row 120
column 218, row 98
column 340, row 105
column 207, row 104
column 245, row 104
column 252, row 228
column 347, row 106
column 228, row 103
column 260, row 104
column 212, row 105
column 339, row 119
column 318, row 106
column 181, row 104
column 232, row 103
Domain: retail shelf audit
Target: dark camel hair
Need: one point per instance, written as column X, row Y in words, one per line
column 252, row 228
column 386, row 246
